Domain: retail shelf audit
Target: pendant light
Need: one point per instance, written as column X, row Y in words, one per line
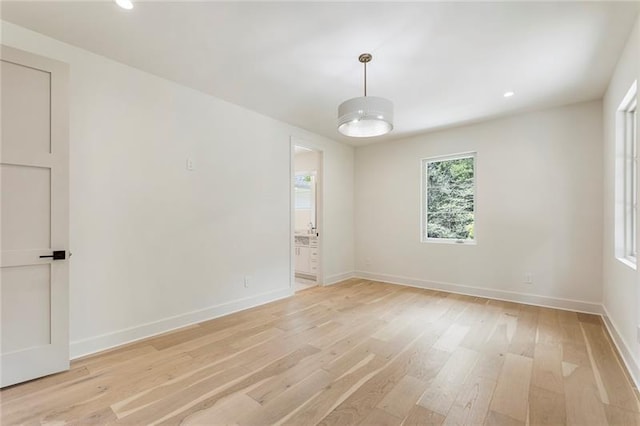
column 365, row 116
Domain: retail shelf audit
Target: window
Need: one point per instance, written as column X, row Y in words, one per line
column 303, row 192
column 628, row 174
column 449, row 199
column 305, row 201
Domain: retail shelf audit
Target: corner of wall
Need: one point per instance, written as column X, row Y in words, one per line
column 338, row 278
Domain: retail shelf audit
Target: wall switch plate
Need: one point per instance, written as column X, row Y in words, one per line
column 190, row 164
column 247, row 281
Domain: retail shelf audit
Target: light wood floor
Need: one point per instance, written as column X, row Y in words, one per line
column 355, row 353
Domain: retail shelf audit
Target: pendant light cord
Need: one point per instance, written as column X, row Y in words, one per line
column 364, row 58
column 365, row 78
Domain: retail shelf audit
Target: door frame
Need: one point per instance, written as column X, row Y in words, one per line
column 296, row 141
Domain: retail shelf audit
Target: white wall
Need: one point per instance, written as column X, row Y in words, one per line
column 539, row 192
column 156, row 246
column 621, row 295
column 306, row 161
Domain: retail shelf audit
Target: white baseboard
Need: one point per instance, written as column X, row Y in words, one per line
column 95, row 344
column 509, row 296
column 336, row 278
column 633, row 367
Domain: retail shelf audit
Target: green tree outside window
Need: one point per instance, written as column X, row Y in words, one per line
column 450, row 199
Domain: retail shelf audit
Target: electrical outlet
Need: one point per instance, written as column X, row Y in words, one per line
column 367, row 261
column 638, row 334
column 528, row 278
column 247, row 281
column 190, row 165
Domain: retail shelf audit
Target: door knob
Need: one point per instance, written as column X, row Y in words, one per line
column 57, row 255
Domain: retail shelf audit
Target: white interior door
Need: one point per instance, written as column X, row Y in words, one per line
column 34, row 210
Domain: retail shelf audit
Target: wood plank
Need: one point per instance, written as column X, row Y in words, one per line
column 288, row 401
column 570, row 330
column 378, row 417
column 101, row 417
column 225, row 412
column 452, row 338
column 211, row 378
column 111, row 358
column 512, row 390
column 620, row 416
column 524, row 338
column 546, row 407
column 547, row 367
column 363, row 400
column 482, row 329
column 589, row 318
column 43, row 384
column 582, row 398
column 497, row 419
column 403, row 397
column 89, row 394
column 429, row 365
column 472, row 404
column 420, row 416
column 177, row 337
column 445, row 387
column 549, row 330
column 207, row 393
column 333, row 395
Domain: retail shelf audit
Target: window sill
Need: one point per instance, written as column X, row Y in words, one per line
column 448, row 241
column 631, row 264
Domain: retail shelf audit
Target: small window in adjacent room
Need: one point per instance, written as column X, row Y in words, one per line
column 448, row 199
column 303, row 191
column 628, row 176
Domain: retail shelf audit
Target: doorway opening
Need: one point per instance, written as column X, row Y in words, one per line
column 306, row 218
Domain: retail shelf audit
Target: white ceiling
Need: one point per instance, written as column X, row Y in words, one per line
column 440, row 63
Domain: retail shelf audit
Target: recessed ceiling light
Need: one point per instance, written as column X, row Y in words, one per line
column 508, row 94
column 125, row 4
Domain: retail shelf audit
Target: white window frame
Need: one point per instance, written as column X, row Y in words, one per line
column 628, row 175
column 424, row 208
